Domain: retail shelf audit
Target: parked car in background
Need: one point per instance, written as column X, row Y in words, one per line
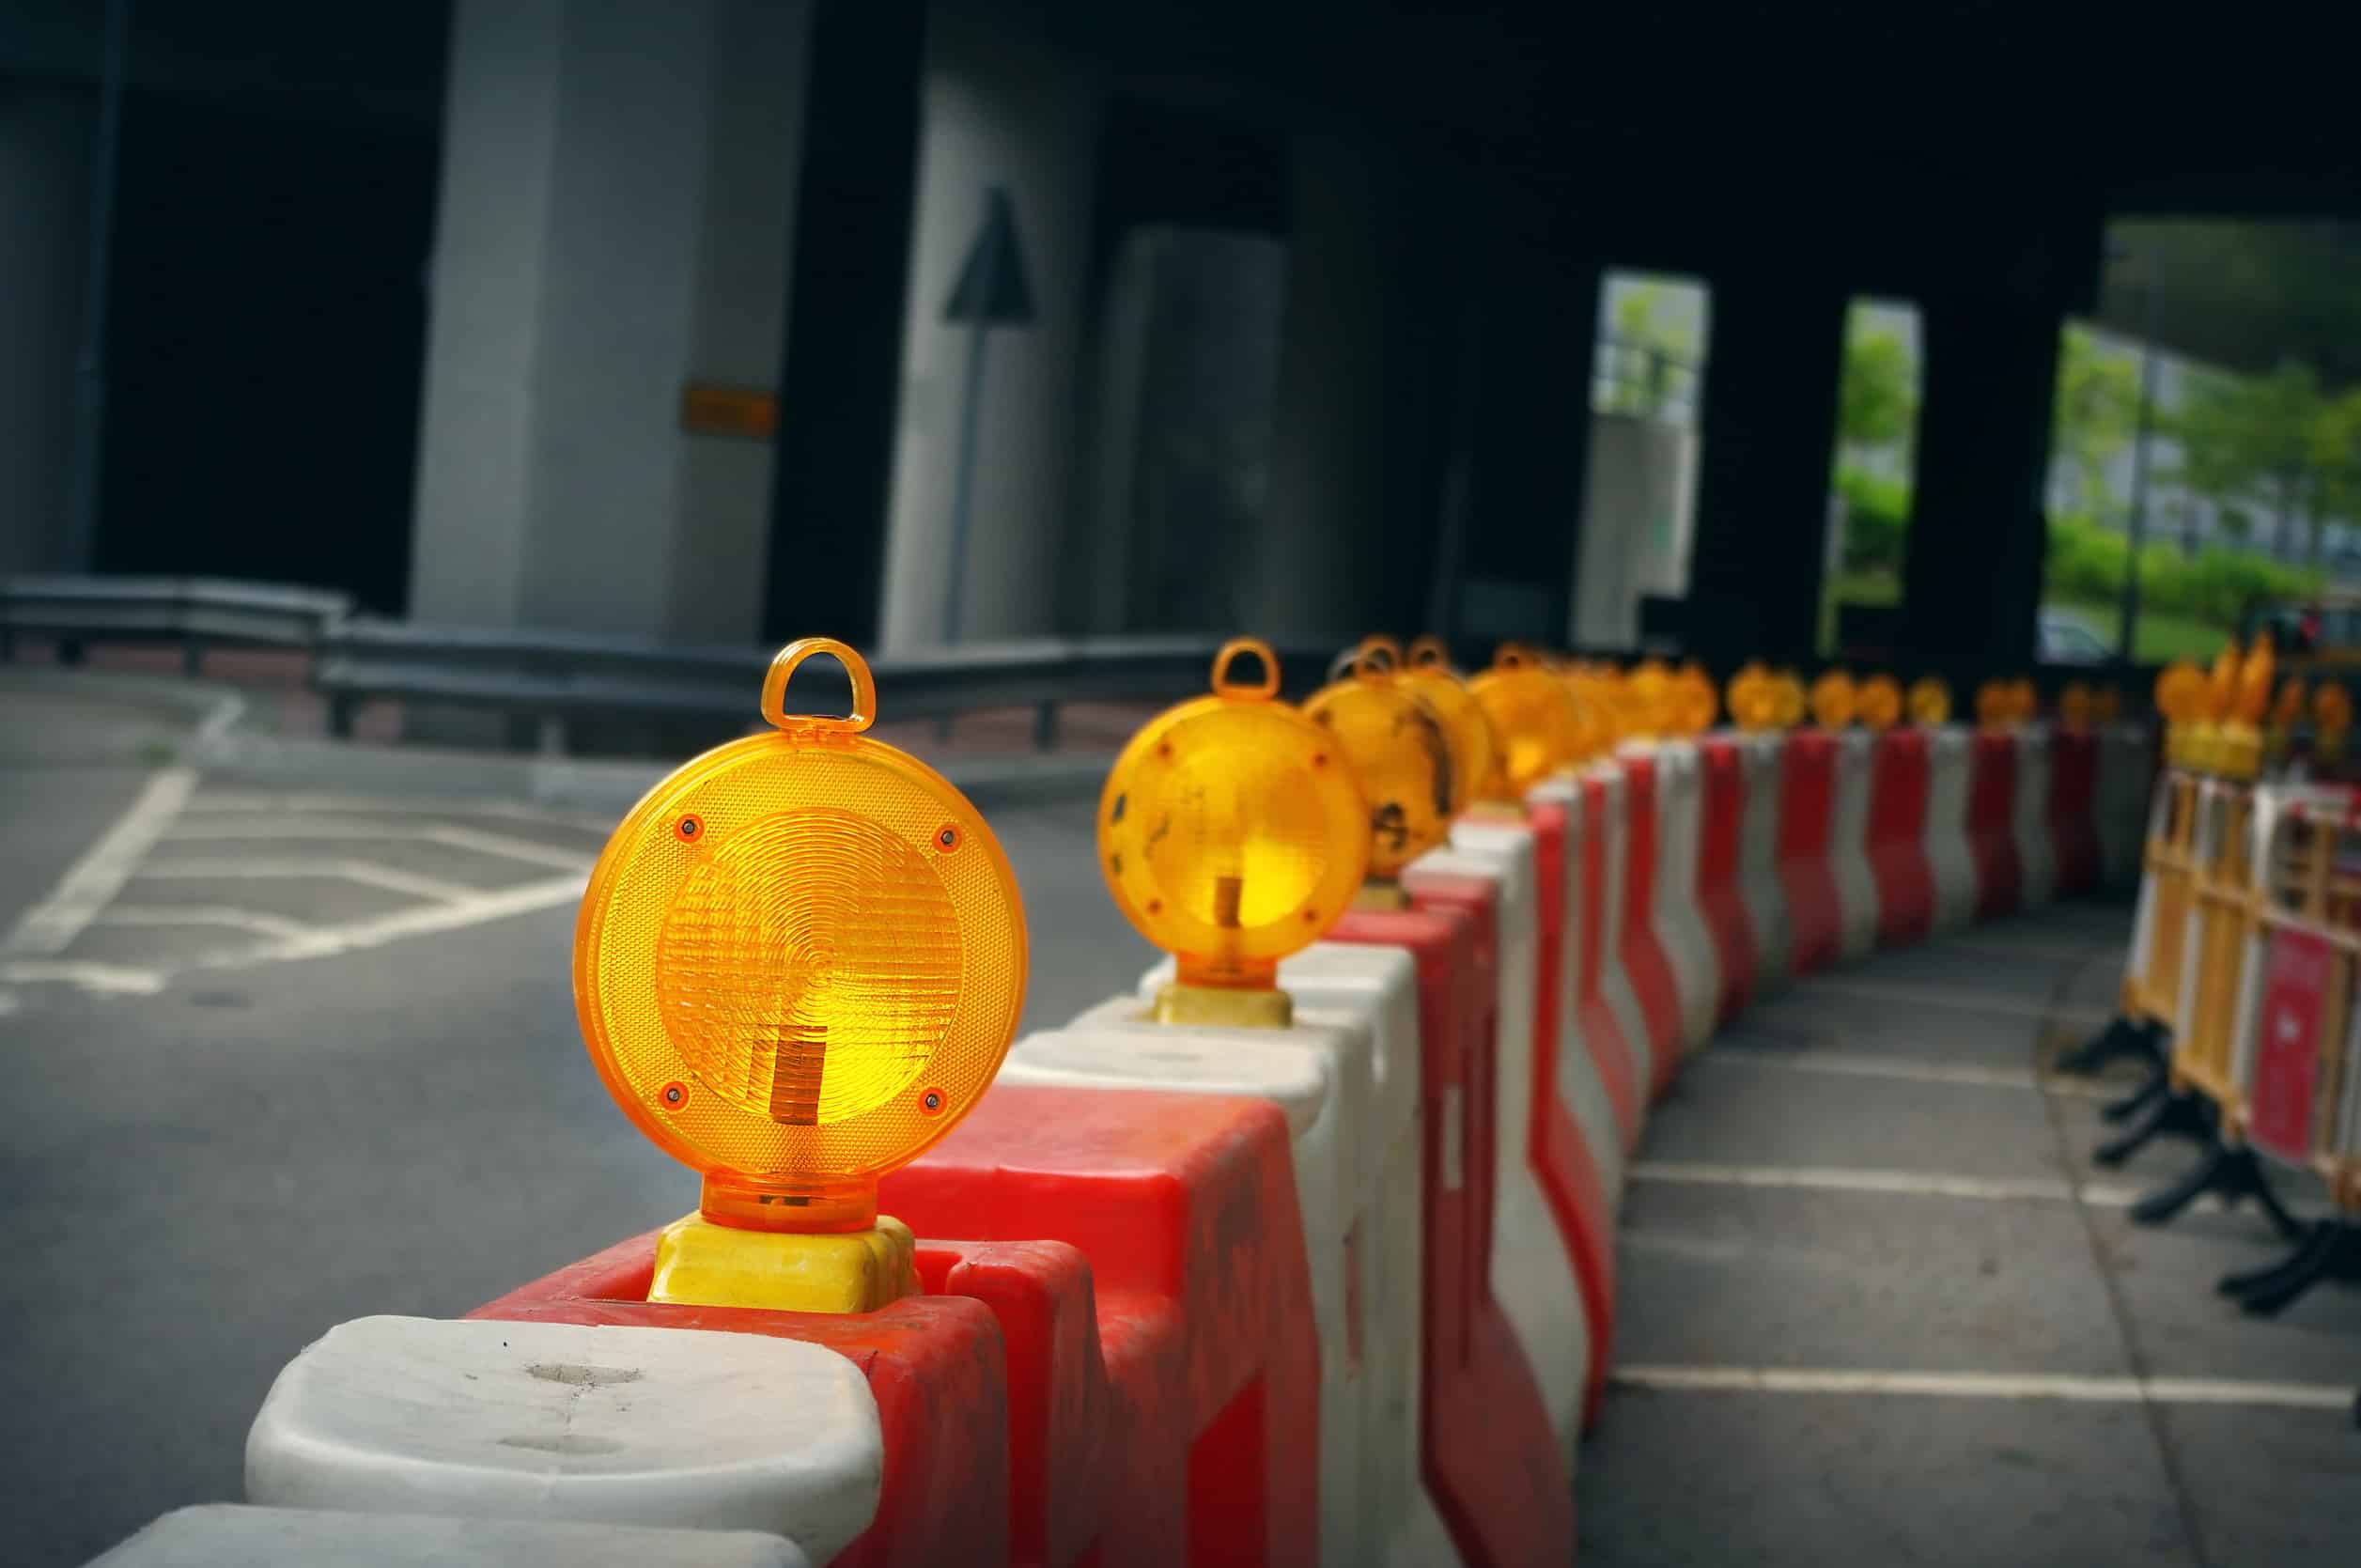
column 2064, row 638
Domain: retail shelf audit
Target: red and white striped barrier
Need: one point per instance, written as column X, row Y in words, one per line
column 2036, row 854
column 1992, row 823
column 1759, row 881
column 1806, row 871
column 1720, row 899
column 1682, row 933
column 1901, row 784
column 1949, row 856
column 1643, row 960
column 2128, row 772
column 2075, row 810
column 1611, row 1009
column 1849, row 845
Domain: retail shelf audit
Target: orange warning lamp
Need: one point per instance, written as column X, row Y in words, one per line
column 1474, row 752
column 2181, row 689
column 799, row 960
column 1787, row 700
column 2332, row 720
column 1993, row 706
column 1750, row 697
column 2240, row 744
column 1929, row 700
column 1397, row 747
column 1597, row 707
column 1233, row 832
column 1647, row 693
column 1879, row 704
column 1834, row 700
column 2025, row 703
column 2073, row 707
column 1533, row 716
column 1694, row 701
column 2106, row 706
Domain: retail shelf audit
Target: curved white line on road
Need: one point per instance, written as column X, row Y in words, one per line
column 381, row 930
column 367, row 873
column 165, row 916
column 317, row 831
column 102, row 979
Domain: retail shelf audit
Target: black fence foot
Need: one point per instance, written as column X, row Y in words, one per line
column 2139, row 1099
column 2121, row 1037
column 2331, row 1250
column 2230, row 1170
column 2174, row 1113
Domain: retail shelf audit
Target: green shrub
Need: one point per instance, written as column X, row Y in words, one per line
column 2087, row 563
column 1877, row 519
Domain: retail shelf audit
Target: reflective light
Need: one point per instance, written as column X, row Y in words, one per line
column 1533, row 717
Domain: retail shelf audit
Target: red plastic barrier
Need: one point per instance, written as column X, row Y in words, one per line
column 1807, row 802
column 2073, row 809
column 1723, row 808
column 1486, row 1449
column 1184, row 1204
column 1644, row 963
column 933, row 1364
column 1899, row 779
column 1992, row 789
column 1608, row 1049
column 1560, row 1158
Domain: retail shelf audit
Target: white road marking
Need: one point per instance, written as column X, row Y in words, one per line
column 314, row 830
column 9, row 1002
column 50, row 926
column 150, row 915
column 219, row 723
column 1912, row 1184
column 1946, row 996
column 367, row 873
column 104, row 979
column 1988, row 1385
column 380, row 930
column 1838, row 1065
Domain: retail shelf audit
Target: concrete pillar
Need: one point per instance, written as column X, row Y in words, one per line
column 1003, row 109
column 1769, row 433
column 614, row 225
column 46, row 135
column 1361, row 433
column 1634, row 521
column 1527, row 445
column 1972, row 567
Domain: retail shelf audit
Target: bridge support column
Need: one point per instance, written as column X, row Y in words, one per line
column 1972, row 575
column 612, row 229
column 46, row 134
column 1768, row 436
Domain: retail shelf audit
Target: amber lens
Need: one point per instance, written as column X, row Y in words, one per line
column 1534, row 717
column 1474, row 752
column 1880, row 702
column 1834, row 701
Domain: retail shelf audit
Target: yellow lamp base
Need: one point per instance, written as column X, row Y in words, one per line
column 699, row 1264
column 1225, row 1007
column 1378, row 897
column 1493, row 811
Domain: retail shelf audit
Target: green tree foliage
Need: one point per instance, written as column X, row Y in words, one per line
column 1877, row 403
column 2097, row 415
column 2276, row 440
column 1653, row 335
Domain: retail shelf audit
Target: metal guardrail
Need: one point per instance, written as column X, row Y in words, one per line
column 198, row 612
column 551, row 679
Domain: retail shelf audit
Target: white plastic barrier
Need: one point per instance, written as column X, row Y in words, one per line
column 1949, row 855
column 1759, row 883
column 2127, row 775
column 1579, row 1085
column 1345, row 1123
column 1679, row 918
column 2037, row 852
column 1848, row 846
column 1533, row 1273
column 1622, row 1003
column 566, row 1421
column 217, row 1535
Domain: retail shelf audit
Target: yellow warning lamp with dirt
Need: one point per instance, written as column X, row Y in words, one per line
column 1788, row 703
column 1879, row 704
column 1834, row 700
column 1232, row 834
column 2180, row 695
column 2238, row 748
column 2074, row 708
column 1474, row 752
column 799, row 962
column 1534, row 717
column 1397, row 747
column 1598, row 705
column 1929, row 700
column 2332, row 722
column 1694, row 703
column 1993, row 709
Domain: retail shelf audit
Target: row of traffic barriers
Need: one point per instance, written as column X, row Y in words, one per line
column 2238, row 988
column 1294, row 1251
